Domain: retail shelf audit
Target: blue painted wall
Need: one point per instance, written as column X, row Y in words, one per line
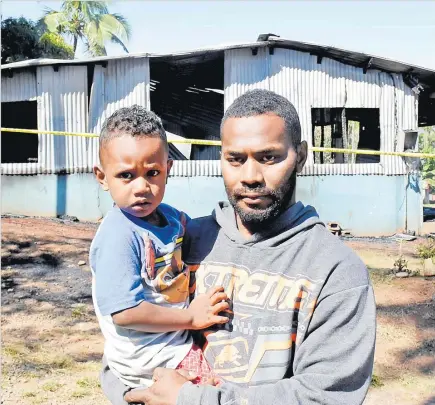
column 367, row 205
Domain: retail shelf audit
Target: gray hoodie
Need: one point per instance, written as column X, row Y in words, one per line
column 304, row 322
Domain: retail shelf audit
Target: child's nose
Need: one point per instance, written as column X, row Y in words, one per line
column 141, row 186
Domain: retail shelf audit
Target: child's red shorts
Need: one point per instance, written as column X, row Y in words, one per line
column 196, row 362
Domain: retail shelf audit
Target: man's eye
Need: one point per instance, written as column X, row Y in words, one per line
column 153, row 173
column 126, row 176
column 268, row 158
column 235, row 160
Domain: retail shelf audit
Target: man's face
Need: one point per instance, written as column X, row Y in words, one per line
column 134, row 170
column 259, row 166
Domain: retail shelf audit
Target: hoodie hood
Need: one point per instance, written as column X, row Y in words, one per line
column 291, row 222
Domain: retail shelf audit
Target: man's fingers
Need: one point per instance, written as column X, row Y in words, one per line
column 158, row 373
column 189, row 375
column 218, row 297
column 140, row 396
column 219, row 319
column 221, row 306
column 214, row 290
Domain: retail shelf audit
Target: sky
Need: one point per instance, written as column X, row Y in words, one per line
column 401, row 30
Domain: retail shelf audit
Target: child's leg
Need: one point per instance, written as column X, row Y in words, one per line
column 113, row 388
column 196, row 362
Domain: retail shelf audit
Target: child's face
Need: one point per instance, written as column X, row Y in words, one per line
column 134, row 170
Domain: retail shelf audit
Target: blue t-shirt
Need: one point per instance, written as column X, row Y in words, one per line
column 134, row 261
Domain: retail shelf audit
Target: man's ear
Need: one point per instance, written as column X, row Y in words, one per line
column 170, row 163
column 101, row 177
column 302, row 151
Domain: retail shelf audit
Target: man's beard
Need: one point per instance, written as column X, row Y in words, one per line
column 257, row 218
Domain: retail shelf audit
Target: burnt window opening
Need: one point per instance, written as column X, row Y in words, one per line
column 187, row 93
column 346, row 128
column 90, row 78
column 19, row 147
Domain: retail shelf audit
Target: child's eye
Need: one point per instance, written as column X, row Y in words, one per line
column 153, row 173
column 126, row 176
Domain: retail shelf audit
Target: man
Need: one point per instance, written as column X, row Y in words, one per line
column 303, row 327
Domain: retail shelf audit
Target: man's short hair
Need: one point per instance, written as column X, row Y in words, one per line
column 258, row 102
column 133, row 121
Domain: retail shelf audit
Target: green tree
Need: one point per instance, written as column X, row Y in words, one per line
column 89, row 22
column 426, row 144
column 23, row 39
column 53, row 44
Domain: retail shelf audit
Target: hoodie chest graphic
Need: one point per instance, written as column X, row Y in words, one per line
column 259, row 289
column 270, row 313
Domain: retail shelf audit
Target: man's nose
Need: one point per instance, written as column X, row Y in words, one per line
column 252, row 173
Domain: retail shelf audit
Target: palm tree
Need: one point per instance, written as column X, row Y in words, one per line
column 90, row 22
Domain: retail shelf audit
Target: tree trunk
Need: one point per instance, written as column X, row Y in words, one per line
column 75, row 44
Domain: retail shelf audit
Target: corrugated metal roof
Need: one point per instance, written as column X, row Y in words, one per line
column 345, row 56
column 358, row 59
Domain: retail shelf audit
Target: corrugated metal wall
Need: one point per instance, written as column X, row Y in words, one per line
column 20, row 87
column 307, row 84
column 122, row 83
column 190, row 168
column 62, row 98
column 62, row 106
column 244, row 72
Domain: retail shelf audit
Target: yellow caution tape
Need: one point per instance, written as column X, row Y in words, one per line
column 218, row 143
column 37, row 131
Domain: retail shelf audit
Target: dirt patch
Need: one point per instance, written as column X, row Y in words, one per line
column 405, row 348
column 52, row 345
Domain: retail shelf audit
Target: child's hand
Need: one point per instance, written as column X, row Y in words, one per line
column 204, row 308
column 215, row 382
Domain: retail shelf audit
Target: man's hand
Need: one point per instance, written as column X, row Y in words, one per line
column 204, row 308
column 164, row 391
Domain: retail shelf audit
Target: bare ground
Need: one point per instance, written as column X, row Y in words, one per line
column 52, row 346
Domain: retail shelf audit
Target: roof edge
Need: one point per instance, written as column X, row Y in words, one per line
column 331, row 52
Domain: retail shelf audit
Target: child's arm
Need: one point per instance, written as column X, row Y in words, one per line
column 202, row 313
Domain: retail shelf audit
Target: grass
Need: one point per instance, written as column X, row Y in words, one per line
column 61, row 362
column 81, row 393
column 51, row 386
column 30, row 394
column 87, row 382
column 36, row 360
column 13, row 351
column 376, row 381
column 35, row 398
column 39, row 400
column 79, row 311
column 380, row 276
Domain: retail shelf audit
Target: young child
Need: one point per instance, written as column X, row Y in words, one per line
column 140, row 285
